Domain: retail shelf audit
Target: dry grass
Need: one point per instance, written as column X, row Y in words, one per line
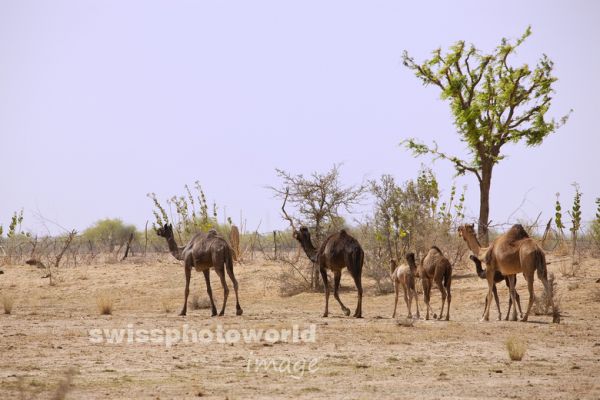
column 542, row 304
column 105, row 304
column 516, row 348
column 196, row 303
column 7, row 303
column 166, row 307
column 405, row 322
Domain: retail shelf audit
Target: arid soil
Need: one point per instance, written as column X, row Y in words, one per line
column 48, row 333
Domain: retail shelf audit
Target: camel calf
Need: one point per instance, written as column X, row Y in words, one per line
column 404, row 276
column 436, row 268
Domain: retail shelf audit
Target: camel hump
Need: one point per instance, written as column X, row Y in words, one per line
column 436, row 249
column 343, row 232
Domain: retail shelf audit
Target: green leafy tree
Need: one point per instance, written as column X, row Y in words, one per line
column 493, row 103
column 109, row 232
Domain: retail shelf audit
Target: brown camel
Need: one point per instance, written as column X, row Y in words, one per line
column 338, row 251
column 404, row 276
column 203, row 252
column 498, row 277
column 436, row 267
column 511, row 253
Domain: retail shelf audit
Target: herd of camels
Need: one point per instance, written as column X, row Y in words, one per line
column 511, row 253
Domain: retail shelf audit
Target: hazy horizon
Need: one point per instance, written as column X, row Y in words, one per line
column 104, row 102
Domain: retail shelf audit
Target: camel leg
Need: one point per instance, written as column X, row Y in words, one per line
column 337, row 276
column 518, row 300
column 443, row 292
column 426, row 293
column 497, row 303
column 358, row 282
column 407, row 300
column 512, row 290
column 188, row 276
column 238, row 308
column 555, row 315
column 488, row 300
column 209, row 292
column 414, row 291
column 510, row 301
column 326, row 284
column 529, row 280
column 397, row 289
column 221, row 274
column 449, row 298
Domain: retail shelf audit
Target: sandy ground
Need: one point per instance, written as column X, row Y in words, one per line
column 48, row 332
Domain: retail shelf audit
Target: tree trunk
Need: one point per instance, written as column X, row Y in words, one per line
column 484, row 203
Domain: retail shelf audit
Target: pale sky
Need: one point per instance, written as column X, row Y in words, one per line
column 102, row 102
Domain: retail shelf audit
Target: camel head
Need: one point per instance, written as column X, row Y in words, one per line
column 303, row 236
column 465, row 230
column 165, row 231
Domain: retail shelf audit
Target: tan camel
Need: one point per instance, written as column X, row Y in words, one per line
column 203, row 252
column 404, row 276
column 498, row 277
column 436, row 267
column 512, row 253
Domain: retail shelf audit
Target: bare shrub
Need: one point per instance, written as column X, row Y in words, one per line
column 105, row 304
column 569, row 268
column 542, row 304
column 291, row 281
column 7, row 303
column 197, row 303
column 516, row 348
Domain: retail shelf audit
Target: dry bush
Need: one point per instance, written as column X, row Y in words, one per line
column 7, row 303
column 199, row 304
column 63, row 388
column 291, row 281
column 542, row 304
column 569, row 268
column 105, row 304
column 516, row 348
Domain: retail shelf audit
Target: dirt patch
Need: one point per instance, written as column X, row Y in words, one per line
column 48, row 333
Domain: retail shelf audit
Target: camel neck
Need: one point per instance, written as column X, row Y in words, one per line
column 473, row 244
column 173, row 248
column 309, row 249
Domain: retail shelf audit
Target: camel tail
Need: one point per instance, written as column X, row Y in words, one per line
column 229, row 259
column 448, row 277
column 540, row 265
column 355, row 259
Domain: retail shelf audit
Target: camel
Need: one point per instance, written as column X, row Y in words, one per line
column 338, row 251
column 498, row 277
column 204, row 251
column 404, row 276
column 436, row 267
column 512, row 253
